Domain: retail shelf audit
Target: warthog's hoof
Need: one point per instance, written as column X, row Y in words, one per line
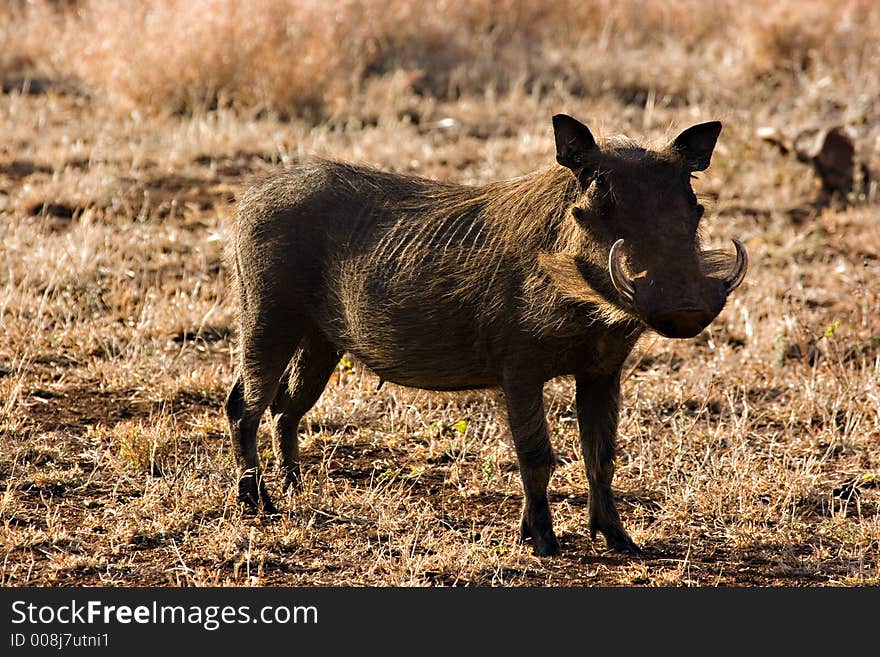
column 254, row 496
column 618, row 540
column 544, row 544
column 625, row 546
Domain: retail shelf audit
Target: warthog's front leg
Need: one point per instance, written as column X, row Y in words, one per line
column 528, row 425
column 598, row 400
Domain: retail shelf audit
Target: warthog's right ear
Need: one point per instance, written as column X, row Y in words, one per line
column 697, row 143
column 574, row 142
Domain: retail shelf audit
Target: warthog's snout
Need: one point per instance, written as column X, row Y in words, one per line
column 677, row 308
column 684, row 323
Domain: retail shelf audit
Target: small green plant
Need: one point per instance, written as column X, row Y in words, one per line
column 830, row 329
column 490, row 471
column 389, row 474
column 445, row 429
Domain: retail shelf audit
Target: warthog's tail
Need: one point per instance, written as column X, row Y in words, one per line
column 232, row 265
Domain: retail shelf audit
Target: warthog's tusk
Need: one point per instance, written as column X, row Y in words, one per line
column 618, row 277
column 740, row 268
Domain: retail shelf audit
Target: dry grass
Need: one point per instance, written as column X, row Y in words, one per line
column 748, row 456
column 315, row 59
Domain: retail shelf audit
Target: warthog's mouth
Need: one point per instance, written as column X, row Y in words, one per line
column 681, row 323
column 684, row 320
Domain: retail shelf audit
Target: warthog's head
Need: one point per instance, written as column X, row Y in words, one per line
column 637, row 219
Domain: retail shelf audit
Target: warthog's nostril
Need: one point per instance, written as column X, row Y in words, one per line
column 681, row 323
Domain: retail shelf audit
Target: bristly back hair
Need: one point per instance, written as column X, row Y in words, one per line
column 485, row 232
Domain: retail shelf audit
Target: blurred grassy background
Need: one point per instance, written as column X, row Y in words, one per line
column 317, row 59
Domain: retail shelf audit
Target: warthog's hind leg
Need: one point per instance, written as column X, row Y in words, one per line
column 302, row 385
column 251, row 489
column 265, row 354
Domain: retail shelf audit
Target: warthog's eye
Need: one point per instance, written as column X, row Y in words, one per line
column 692, row 197
column 700, row 211
column 597, row 189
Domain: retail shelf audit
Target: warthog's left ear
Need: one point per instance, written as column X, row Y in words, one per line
column 697, row 143
column 574, row 142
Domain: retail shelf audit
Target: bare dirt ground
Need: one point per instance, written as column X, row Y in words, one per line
column 749, row 456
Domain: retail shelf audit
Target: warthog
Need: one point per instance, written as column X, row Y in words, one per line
column 449, row 287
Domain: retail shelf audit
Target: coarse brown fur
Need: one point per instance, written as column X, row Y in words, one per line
column 449, row 287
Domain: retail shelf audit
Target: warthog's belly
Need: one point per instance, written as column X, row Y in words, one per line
column 421, row 361
column 421, row 346
column 418, row 375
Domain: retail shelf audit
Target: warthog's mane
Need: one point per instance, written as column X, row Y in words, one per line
column 469, row 243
